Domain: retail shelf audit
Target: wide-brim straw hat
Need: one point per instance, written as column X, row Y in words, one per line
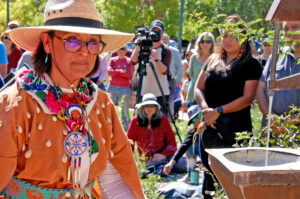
column 148, row 99
column 76, row 16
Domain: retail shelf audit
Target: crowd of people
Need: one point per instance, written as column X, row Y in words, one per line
column 78, row 74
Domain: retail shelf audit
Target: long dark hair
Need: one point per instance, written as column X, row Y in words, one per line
column 144, row 121
column 215, row 62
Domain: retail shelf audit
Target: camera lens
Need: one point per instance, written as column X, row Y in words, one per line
column 155, row 36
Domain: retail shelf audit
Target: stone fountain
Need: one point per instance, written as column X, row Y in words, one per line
column 243, row 174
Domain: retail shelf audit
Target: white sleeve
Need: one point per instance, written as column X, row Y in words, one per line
column 112, row 184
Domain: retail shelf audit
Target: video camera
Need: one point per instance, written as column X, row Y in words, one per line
column 145, row 42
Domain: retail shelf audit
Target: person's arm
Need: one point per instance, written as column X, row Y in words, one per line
column 190, row 69
column 160, row 64
column 183, row 94
column 135, row 54
column 103, row 70
column 3, row 69
column 3, row 60
column 199, row 91
column 261, row 97
column 121, row 155
column 22, row 60
column 129, row 72
column 110, row 70
column 188, row 141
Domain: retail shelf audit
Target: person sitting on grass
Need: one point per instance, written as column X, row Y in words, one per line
column 154, row 136
column 195, row 117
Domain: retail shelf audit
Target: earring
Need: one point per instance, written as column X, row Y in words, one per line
column 46, row 59
column 223, row 54
column 241, row 52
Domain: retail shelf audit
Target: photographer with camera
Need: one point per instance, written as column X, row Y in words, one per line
column 160, row 56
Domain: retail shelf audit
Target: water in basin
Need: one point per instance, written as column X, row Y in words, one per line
column 256, row 157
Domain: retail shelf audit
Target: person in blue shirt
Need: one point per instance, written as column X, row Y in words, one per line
column 286, row 65
column 3, row 63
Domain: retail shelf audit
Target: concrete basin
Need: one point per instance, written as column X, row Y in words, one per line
column 243, row 174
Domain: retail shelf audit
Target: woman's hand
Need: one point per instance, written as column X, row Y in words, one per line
column 158, row 157
column 210, row 116
column 168, row 167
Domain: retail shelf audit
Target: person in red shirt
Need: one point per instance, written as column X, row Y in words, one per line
column 120, row 71
column 13, row 52
column 154, row 136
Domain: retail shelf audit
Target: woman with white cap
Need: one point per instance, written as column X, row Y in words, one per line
column 60, row 134
column 154, row 136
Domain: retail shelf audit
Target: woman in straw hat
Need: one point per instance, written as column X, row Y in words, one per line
column 60, row 134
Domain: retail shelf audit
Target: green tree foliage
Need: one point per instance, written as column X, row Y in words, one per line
column 198, row 13
column 26, row 12
column 127, row 15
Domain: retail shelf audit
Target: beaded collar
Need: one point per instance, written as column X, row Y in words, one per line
column 52, row 96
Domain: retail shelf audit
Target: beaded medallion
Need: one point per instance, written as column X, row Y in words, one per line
column 75, row 144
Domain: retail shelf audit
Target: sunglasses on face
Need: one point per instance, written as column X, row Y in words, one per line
column 13, row 27
column 267, row 45
column 198, row 116
column 150, row 105
column 6, row 37
column 74, row 45
column 206, row 41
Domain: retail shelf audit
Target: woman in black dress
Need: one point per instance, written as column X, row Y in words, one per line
column 224, row 90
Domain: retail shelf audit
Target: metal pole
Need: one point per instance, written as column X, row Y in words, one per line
column 7, row 12
column 272, row 78
column 180, row 26
column 274, row 52
column 165, row 100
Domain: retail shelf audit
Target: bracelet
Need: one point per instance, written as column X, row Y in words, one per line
column 156, row 60
column 220, row 110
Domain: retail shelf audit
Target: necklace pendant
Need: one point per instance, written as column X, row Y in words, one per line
column 74, row 112
column 75, row 144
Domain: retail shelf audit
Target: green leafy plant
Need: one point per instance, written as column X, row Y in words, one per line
column 151, row 183
column 284, row 132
